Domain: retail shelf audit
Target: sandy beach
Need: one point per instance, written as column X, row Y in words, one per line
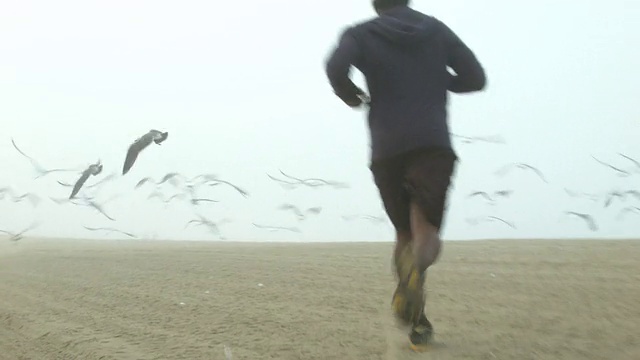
column 73, row 299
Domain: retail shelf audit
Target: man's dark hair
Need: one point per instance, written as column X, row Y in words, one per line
column 380, row 5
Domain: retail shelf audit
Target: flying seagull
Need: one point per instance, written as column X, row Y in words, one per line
column 628, row 209
column 33, row 198
column 634, row 161
column 89, row 202
column 620, row 172
column 140, row 144
column 93, row 169
column 212, row 226
column 19, row 236
column 216, row 181
column 299, row 213
column 168, row 177
column 311, row 182
column 110, row 230
column 620, row 194
column 98, row 183
column 503, row 170
column 491, row 218
column 592, row 197
column 374, row 219
column 277, row 228
column 484, row 194
column 38, row 168
column 495, row 139
column 588, row 219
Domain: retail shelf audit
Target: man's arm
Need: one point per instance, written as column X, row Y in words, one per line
column 470, row 76
column 338, row 68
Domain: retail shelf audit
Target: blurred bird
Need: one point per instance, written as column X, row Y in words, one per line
column 140, row 144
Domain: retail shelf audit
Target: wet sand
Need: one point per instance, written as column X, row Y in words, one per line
column 72, row 299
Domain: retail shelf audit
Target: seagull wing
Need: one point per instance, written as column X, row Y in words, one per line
column 79, row 183
column 134, row 150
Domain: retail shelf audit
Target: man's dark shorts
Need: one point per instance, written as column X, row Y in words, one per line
column 422, row 176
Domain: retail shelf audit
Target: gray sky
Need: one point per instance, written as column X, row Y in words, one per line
column 241, row 89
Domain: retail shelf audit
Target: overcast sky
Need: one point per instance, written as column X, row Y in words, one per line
column 241, row 89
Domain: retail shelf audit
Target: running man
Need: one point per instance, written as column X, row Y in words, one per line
column 405, row 57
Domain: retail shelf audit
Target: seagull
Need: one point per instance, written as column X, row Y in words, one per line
column 95, row 205
column 140, row 144
column 110, row 230
column 490, row 218
column 38, row 168
column 168, row 177
column 19, row 236
column 592, row 197
column 211, row 181
column 586, row 217
column 628, row 209
column 484, row 194
column 157, row 194
column 93, row 169
column 199, row 200
column 620, row 172
column 301, row 216
column 620, row 194
column 496, row 139
column 502, row 171
column 33, row 198
column 635, row 162
column 311, row 182
column 374, row 219
column 101, row 182
column 213, row 226
column 277, row 228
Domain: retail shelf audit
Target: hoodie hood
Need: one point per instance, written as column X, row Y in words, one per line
column 403, row 25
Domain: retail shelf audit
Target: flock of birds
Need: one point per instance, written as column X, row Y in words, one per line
column 83, row 194
column 606, row 198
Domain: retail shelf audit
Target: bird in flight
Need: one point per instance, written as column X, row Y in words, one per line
column 40, row 170
column 170, row 177
column 110, row 230
column 89, row 202
column 621, row 195
column 619, row 171
column 373, row 219
column 491, row 199
column 298, row 212
column 310, row 182
column 19, row 236
column 588, row 219
column 634, row 161
column 277, row 228
column 592, row 197
column 628, row 209
column 93, row 169
column 140, row 144
column 503, row 170
column 495, row 139
column 213, row 227
column 31, row 197
column 212, row 180
column 475, row 221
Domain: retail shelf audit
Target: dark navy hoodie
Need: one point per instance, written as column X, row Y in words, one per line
column 404, row 56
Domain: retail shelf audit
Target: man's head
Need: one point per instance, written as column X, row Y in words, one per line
column 383, row 5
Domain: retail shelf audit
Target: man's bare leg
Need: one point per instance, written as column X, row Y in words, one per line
column 426, row 249
column 403, row 243
column 426, row 239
